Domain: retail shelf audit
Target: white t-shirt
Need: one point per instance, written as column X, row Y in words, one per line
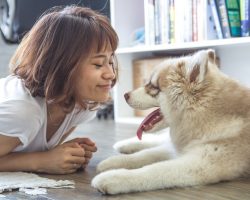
column 25, row 117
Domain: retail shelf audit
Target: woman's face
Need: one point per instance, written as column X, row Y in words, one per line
column 96, row 77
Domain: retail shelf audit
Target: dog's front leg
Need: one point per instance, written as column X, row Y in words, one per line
column 187, row 170
column 136, row 160
column 133, row 145
column 162, row 175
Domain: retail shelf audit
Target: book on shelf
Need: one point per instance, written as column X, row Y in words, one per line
column 216, row 20
column 201, row 19
column 171, row 21
column 194, row 19
column 210, row 27
column 205, row 23
column 245, row 17
column 222, row 11
column 178, row 21
column 188, row 21
column 233, row 13
column 142, row 69
column 149, row 15
column 157, row 18
column 161, row 14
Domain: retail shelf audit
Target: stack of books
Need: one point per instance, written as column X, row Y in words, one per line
column 178, row 21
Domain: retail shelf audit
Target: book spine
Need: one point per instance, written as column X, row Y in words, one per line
column 164, row 21
column 211, row 33
column 172, row 21
column 200, row 21
column 233, row 12
column 179, row 21
column 216, row 19
column 149, row 22
column 221, row 7
column 158, row 39
column 194, row 19
column 244, row 17
column 188, row 22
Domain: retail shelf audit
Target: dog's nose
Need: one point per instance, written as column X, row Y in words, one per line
column 126, row 96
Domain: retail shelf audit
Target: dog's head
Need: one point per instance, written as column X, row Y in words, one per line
column 176, row 84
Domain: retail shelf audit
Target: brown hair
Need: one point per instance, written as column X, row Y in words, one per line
column 48, row 57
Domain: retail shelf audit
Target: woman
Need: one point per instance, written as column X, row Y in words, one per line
column 62, row 71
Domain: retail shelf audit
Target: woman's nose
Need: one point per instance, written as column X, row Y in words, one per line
column 109, row 73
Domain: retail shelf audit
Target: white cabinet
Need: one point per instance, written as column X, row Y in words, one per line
column 127, row 15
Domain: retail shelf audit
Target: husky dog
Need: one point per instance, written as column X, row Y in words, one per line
column 208, row 115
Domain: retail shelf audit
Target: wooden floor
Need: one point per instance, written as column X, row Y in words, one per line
column 105, row 133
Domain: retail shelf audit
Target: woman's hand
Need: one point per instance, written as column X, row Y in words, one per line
column 88, row 146
column 63, row 159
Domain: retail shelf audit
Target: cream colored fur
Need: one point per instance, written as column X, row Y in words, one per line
column 208, row 115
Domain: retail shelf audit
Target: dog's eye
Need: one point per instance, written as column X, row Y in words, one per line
column 152, row 90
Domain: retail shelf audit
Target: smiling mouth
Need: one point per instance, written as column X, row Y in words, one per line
column 149, row 122
column 108, row 87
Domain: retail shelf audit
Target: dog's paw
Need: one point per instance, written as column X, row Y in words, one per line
column 114, row 162
column 132, row 145
column 127, row 146
column 112, row 182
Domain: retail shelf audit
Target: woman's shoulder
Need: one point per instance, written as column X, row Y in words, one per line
column 14, row 92
column 13, row 87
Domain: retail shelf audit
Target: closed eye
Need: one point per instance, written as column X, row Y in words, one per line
column 98, row 66
column 152, row 90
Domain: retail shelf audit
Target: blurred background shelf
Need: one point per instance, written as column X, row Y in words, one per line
column 222, row 43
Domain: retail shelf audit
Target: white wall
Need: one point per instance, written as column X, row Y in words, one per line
column 235, row 62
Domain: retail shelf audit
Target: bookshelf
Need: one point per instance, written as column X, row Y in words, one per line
column 128, row 15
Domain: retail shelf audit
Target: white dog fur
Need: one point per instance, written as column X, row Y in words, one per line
column 208, row 115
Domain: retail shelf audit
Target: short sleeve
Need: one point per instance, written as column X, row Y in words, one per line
column 19, row 119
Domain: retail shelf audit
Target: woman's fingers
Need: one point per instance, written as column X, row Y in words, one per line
column 88, row 148
column 84, row 165
column 79, row 152
column 71, row 171
column 78, row 160
column 88, row 154
column 76, row 166
column 86, row 141
column 86, row 161
column 83, row 141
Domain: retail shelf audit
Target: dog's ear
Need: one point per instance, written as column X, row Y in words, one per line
column 211, row 55
column 194, row 74
column 200, row 63
column 213, row 58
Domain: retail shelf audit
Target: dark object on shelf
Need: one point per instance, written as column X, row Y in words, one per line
column 107, row 112
column 18, row 16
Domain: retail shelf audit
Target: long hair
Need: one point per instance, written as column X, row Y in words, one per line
column 47, row 59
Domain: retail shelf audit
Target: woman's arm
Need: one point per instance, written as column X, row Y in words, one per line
column 62, row 159
column 7, row 144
